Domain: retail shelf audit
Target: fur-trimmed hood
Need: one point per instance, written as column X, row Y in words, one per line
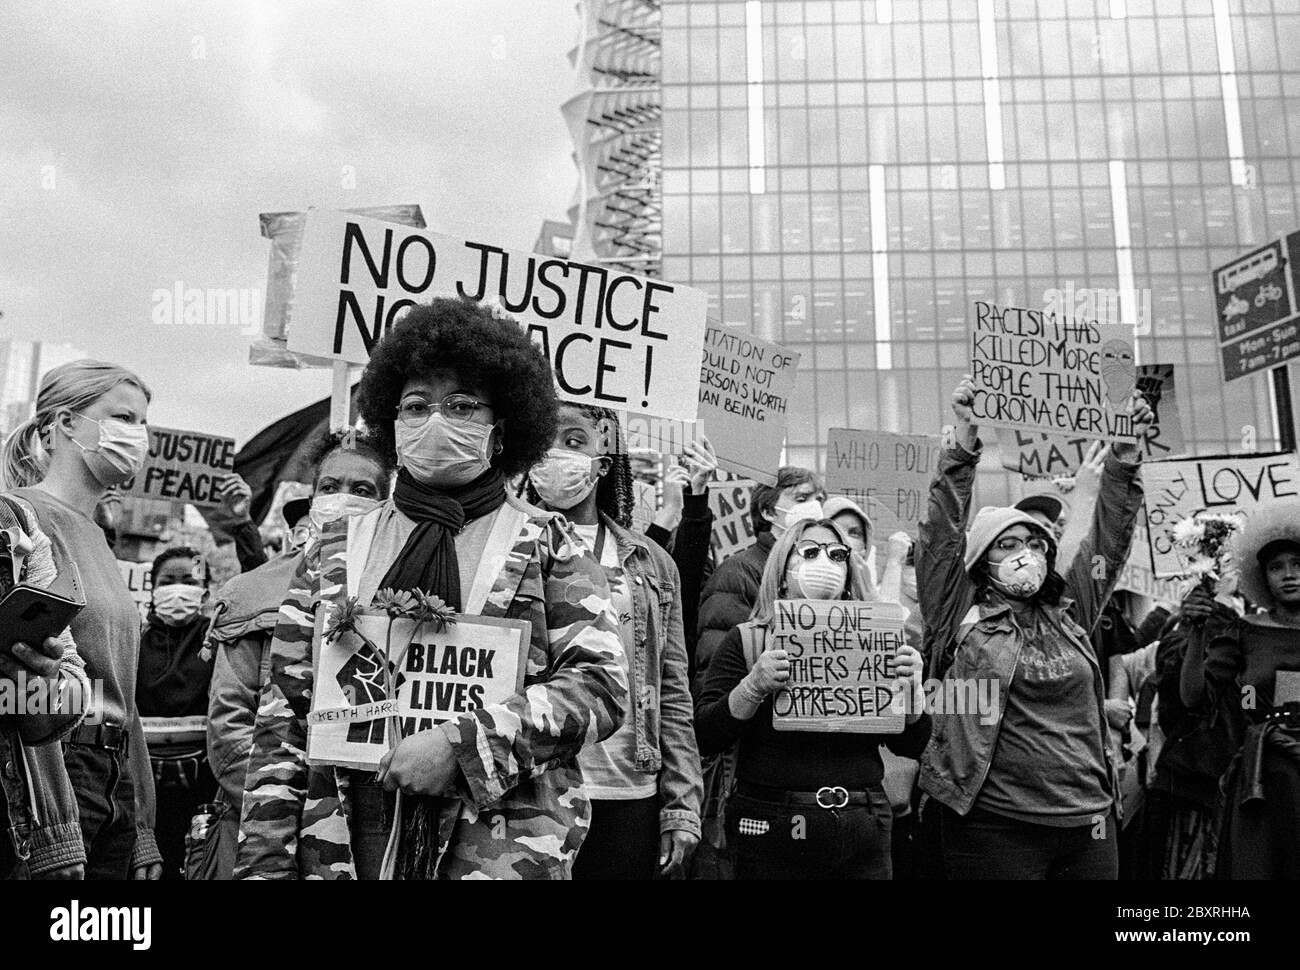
column 1277, row 522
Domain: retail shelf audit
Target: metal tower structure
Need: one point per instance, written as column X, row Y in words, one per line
column 614, row 117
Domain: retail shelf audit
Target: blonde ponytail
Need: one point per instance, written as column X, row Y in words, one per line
column 25, row 459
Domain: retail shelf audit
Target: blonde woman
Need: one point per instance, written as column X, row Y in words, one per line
column 805, row 805
column 87, row 435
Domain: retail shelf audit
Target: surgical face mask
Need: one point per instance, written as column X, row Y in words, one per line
column 120, row 454
column 788, row 515
column 816, row 579
column 442, row 454
column 327, row 508
column 564, row 478
column 1020, row 575
column 177, row 603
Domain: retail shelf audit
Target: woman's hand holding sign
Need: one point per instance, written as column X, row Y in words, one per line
column 908, row 665
column 422, row 764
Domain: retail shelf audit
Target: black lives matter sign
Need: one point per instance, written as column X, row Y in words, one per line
column 432, row 676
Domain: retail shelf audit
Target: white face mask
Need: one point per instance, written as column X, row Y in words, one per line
column 442, row 454
column 564, row 478
column 120, row 454
column 1020, row 575
column 788, row 515
column 327, row 508
column 177, row 603
column 817, row 579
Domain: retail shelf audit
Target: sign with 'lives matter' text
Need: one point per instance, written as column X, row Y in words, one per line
column 613, row 339
column 372, row 679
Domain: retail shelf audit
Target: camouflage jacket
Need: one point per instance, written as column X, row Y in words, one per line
column 520, row 811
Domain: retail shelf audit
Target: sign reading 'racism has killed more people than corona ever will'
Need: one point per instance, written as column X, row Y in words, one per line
column 435, row 676
column 613, row 339
column 1035, row 370
column 184, row 466
column 842, row 676
column 1236, row 484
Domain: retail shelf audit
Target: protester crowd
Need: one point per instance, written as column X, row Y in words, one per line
column 642, row 744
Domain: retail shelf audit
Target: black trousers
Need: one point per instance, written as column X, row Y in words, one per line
column 784, row 840
column 180, row 787
column 622, row 841
column 984, row 845
column 106, row 802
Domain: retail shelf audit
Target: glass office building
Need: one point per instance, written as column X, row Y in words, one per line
column 849, row 176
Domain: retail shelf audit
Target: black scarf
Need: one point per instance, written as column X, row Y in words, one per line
column 428, row 562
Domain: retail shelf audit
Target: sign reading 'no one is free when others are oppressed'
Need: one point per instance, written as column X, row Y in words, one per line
column 842, row 675
column 613, row 339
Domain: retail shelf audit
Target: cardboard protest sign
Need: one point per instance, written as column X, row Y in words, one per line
column 184, row 466
column 644, row 505
column 1036, row 371
column 136, row 577
column 284, row 229
column 745, row 390
column 733, row 526
column 887, row 474
column 475, row 662
column 744, row 397
column 613, row 339
column 842, row 655
column 1181, row 487
column 1034, row 454
column 1139, row 576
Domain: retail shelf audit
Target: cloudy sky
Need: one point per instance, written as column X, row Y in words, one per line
column 140, row 140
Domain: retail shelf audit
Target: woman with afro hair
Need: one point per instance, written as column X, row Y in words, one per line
column 1250, row 671
column 467, row 401
column 645, row 780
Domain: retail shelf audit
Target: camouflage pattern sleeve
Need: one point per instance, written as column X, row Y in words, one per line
column 576, row 689
column 275, row 785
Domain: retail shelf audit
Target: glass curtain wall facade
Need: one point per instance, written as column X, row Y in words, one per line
column 848, row 177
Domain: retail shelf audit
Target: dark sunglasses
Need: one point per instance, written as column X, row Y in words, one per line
column 835, row 551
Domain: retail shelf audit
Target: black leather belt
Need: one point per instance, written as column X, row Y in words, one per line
column 112, row 737
column 828, row 796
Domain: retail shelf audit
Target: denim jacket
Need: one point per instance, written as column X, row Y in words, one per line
column 658, row 686
column 972, row 634
column 43, row 820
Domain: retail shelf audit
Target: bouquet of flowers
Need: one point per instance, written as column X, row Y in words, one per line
column 413, row 605
column 1203, row 541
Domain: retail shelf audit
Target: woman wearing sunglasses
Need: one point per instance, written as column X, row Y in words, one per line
column 805, row 805
column 1026, row 780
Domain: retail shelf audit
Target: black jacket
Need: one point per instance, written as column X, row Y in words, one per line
column 727, row 599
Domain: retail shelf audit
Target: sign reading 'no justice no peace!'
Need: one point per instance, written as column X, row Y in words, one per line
column 613, row 339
